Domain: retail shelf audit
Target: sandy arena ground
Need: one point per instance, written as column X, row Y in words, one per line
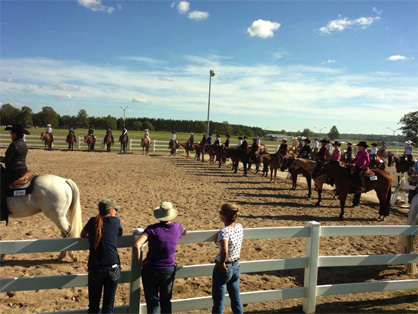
column 198, row 190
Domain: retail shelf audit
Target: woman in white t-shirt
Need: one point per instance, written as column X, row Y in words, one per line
column 226, row 273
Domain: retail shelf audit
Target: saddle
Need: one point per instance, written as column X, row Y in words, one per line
column 23, row 182
column 23, row 185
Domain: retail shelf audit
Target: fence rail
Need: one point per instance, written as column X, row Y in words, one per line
column 310, row 262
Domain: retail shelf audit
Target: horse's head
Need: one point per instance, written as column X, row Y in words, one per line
column 390, row 159
column 286, row 162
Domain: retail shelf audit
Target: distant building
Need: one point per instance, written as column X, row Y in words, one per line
column 276, row 137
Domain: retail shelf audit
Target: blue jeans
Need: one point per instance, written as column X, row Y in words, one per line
column 99, row 278
column 222, row 281
column 158, row 279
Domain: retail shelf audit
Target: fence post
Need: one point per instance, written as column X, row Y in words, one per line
column 130, row 144
column 153, row 145
column 135, row 284
column 311, row 272
column 79, row 142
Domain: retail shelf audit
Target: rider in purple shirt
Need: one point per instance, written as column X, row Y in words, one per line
column 361, row 162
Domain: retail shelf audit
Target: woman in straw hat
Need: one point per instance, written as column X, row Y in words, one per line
column 159, row 267
column 104, row 263
column 226, row 273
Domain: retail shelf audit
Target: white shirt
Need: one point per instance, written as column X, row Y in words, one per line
column 173, row 136
column 234, row 237
column 315, row 144
column 48, row 130
column 124, row 132
column 239, row 143
column 373, row 151
column 408, row 149
column 258, row 141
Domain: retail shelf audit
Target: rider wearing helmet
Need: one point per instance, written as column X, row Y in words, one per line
column 15, row 162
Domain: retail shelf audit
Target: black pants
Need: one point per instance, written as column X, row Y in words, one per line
column 5, row 179
column 360, row 176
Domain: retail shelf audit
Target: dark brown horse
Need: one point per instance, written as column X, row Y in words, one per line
column 47, row 139
column 145, row 143
column 344, row 183
column 200, row 151
column 90, row 140
column 295, row 168
column 238, row 155
column 173, row 145
column 188, row 148
column 123, row 143
column 108, row 142
column 401, row 164
column 71, row 139
column 215, row 154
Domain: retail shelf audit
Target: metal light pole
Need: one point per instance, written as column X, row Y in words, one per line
column 393, row 137
column 124, row 109
column 211, row 73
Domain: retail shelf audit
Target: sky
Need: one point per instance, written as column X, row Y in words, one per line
column 278, row 64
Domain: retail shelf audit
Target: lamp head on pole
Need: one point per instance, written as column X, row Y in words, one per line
column 212, row 73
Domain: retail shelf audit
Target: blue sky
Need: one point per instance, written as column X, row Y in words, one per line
column 279, row 64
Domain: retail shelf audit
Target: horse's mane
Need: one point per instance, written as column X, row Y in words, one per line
column 308, row 165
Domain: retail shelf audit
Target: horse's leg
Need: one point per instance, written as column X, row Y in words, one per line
column 309, row 181
column 245, row 168
column 356, row 199
column 342, row 196
column 318, row 203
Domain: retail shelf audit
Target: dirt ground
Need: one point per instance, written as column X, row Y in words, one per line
column 139, row 183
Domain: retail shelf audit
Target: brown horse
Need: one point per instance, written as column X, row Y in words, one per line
column 108, row 142
column 238, row 155
column 344, row 183
column 123, row 143
column 173, row 145
column 188, row 148
column 145, row 143
column 377, row 163
column 215, row 154
column 200, row 151
column 401, row 164
column 71, row 139
column 90, row 140
column 47, row 139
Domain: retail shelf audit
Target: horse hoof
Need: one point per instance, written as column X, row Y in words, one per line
column 309, row 195
column 317, row 204
column 341, row 217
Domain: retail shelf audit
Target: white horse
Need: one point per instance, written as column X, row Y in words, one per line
column 405, row 243
column 54, row 196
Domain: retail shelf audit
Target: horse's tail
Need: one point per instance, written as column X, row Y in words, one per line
column 75, row 210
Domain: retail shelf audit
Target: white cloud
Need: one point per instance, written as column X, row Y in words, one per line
column 140, row 100
column 198, row 15
column 378, row 12
column 66, row 87
column 183, row 7
column 329, row 61
column 397, row 58
column 262, row 28
column 97, row 6
column 67, row 96
column 141, row 59
column 7, row 79
column 344, row 23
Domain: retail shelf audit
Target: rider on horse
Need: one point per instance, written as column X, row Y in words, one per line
column 217, row 141
column 90, row 132
column 124, row 132
column 283, row 147
column 315, row 146
column 209, row 139
column 146, row 135
column 306, row 149
column 336, row 153
column 361, row 162
column 322, row 154
column 190, row 141
column 349, row 151
column 373, row 152
column 258, row 141
column 244, row 144
column 254, row 149
column 408, row 151
column 49, row 131
column 71, row 130
column 109, row 132
column 15, row 162
column 173, row 139
column 226, row 144
column 239, row 142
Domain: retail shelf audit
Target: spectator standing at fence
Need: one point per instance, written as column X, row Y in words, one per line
column 226, row 273
column 159, row 267
column 104, row 263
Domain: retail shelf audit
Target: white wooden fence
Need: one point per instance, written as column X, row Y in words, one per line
column 310, row 262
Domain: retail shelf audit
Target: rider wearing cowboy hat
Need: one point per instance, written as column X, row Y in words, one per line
column 408, row 151
column 239, row 141
column 322, row 154
column 15, row 162
column 336, row 153
column 49, row 131
column 306, row 149
column 349, row 151
column 373, row 152
column 226, row 144
column 203, row 141
column 190, row 141
column 244, row 144
column 361, row 162
column 217, row 141
column 283, row 147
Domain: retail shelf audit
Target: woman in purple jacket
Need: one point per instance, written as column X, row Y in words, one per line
column 159, row 267
column 361, row 162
